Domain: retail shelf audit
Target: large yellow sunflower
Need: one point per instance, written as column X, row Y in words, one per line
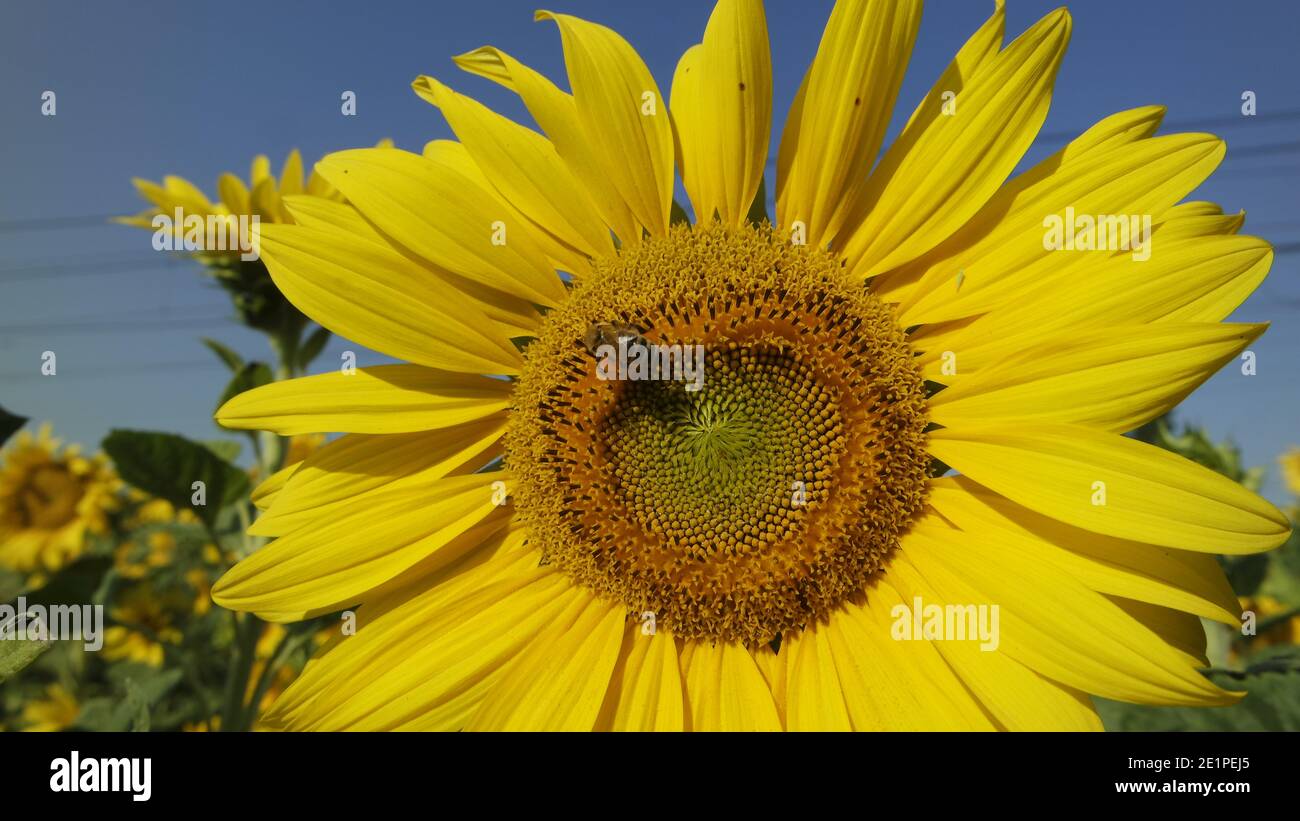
column 51, row 498
column 909, row 402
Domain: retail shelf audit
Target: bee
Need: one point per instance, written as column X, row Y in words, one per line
column 610, row 333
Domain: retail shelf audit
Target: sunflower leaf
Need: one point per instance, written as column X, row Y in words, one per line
column 233, row 360
column 1272, row 703
column 312, row 347
column 9, row 424
column 758, row 208
column 172, row 467
column 15, row 655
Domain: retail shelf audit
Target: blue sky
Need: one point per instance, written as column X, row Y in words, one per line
column 151, row 88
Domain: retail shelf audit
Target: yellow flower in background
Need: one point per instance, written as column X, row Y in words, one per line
column 210, row 725
column 1282, row 633
column 146, row 623
column 764, row 546
column 134, row 561
column 51, row 499
column 1290, row 462
column 56, row 710
column 261, row 196
column 198, row 579
column 158, row 512
column 134, row 558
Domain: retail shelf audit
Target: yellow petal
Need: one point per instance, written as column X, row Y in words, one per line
column 562, row 256
column 1149, row 494
column 511, row 316
column 1181, row 579
column 560, row 681
column 1115, row 378
column 815, row 699
column 234, row 194
column 557, row 115
column 324, row 214
column 1051, row 623
column 291, row 174
column 1017, row 697
column 524, row 167
column 264, row 494
column 975, row 53
column 367, row 292
column 344, row 471
column 982, row 46
column 266, row 203
column 724, row 114
column 725, row 691
column 359, row 548
column 188, row 195
column 837, row 124
column 427, row 659
column 1001, row 252
column 645, row 692
column 1200, row 279
column 442, row 216
column 383, row 399
column 896, row 685
column 623, row 115
column 1182, row 631
column 259, row 170
column 936, row 177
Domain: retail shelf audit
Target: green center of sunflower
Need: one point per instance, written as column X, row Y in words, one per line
column 740, row 448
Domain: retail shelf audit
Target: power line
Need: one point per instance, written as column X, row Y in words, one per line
column 118, row 326
column 116, row 370
column 50, row 223
column 88, row 267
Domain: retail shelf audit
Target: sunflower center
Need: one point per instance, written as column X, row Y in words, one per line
column 752, row 478
column 49, row 497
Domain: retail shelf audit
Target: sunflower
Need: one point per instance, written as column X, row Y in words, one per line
column 262, row 196
column 1267, row 610
column 145, row 624
column 909, row 401
column 51, row 498
column 56, row 710
column 1290, row 463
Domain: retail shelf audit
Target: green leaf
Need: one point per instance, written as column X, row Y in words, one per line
column 77, row 583
column 16, row 654
column 758, row 208
column 312, row 347
column 1246, row 573
column 167, row 466
column 233, row 360
column 1272, row 703
column 252, row 375
column 142, row 688
column 9, row 424
column 226, row 449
